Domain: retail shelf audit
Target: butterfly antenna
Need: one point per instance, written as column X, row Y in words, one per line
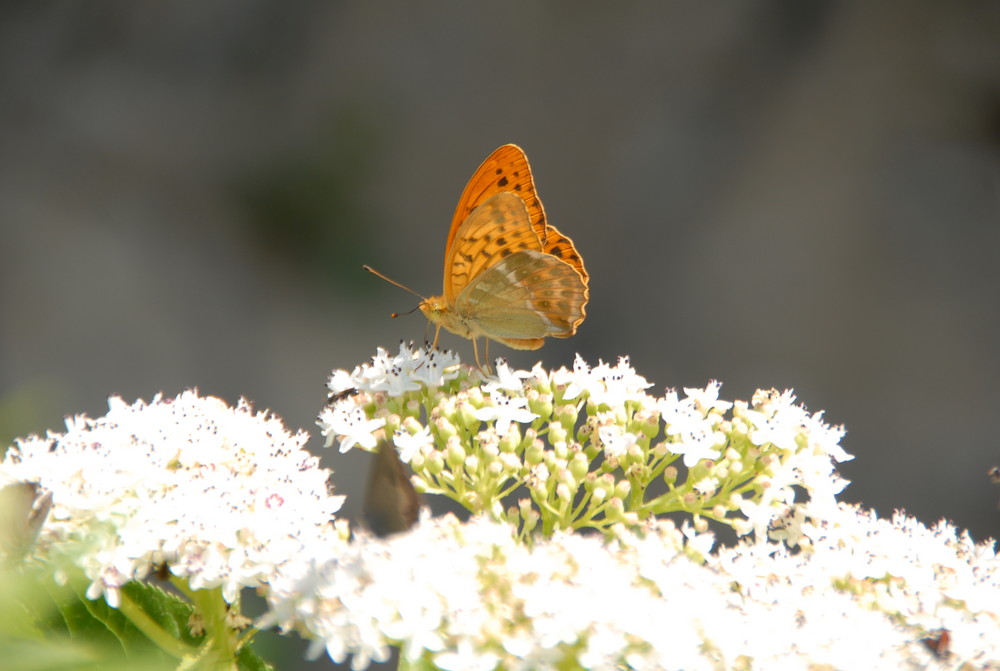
column 392, row 281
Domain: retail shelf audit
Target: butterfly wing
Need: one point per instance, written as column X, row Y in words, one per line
column 506, row 169
column 497, row 228
column 523, row 298
column 561, row 247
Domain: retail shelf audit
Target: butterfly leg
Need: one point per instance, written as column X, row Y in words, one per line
column 437, row 334
column 485, row 369
column 475, row 351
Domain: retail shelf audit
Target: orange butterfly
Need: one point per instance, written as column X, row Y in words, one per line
column 508, row 275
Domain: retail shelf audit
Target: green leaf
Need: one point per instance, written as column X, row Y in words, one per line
column 132, row 641
column 44, row 627
column 168, row 610
column 248, row 660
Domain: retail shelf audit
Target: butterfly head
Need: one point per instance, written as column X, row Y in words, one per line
column 438, row 313
column 432, row 308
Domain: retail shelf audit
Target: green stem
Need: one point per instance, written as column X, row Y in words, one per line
column 153, row 631
column 220, row 641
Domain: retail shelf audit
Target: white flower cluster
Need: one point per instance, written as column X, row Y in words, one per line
column 591, row 432
column 219, row 494
column 411, row 370
column 473, row 596
column 898, row 580
column 227, row 498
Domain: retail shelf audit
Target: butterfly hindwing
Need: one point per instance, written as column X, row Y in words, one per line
column 561, row 247
column 526, row 295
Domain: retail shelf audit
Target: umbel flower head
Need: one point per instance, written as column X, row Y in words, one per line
column 588, row 445
column 218, row 494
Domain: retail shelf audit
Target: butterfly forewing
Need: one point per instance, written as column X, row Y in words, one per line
column 526, row 295
column 506, row 169
column 496, row 229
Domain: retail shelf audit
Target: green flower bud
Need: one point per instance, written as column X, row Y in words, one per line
column 670, row 475
column 615, row 510
column 445, row 429
column 540, row 404
column 455, row 452
column 622, row 489
column 534, row 453
column 434, row 464
column 579, row 465
column 566, row 414
column 464, row 416
column 510, row 442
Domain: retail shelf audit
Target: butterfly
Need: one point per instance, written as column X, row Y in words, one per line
column 509, row 276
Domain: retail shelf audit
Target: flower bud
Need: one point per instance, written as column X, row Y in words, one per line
column 535, row 453
column 579, row 465
column 445, row 429
column 540, row 404
column 463, row 415
column 434, row 463
column 622, row 489
column 455, row 452
column 511, row 440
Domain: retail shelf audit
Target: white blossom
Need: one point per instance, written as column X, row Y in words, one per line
column 504, row 410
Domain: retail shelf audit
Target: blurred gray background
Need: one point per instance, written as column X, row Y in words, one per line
column 790, row 194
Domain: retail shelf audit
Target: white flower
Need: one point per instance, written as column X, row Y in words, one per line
column 504, row 410
column 691, row 425
column 615, row 440
column 409, row 445
column 351, row 426
column 409, row 370
column 707, row 399
column 340, row 382
column 433, row 367
column 576, row 381
column 702, row 543
column 507, row 379
column 604, row 384
column 391, row 375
